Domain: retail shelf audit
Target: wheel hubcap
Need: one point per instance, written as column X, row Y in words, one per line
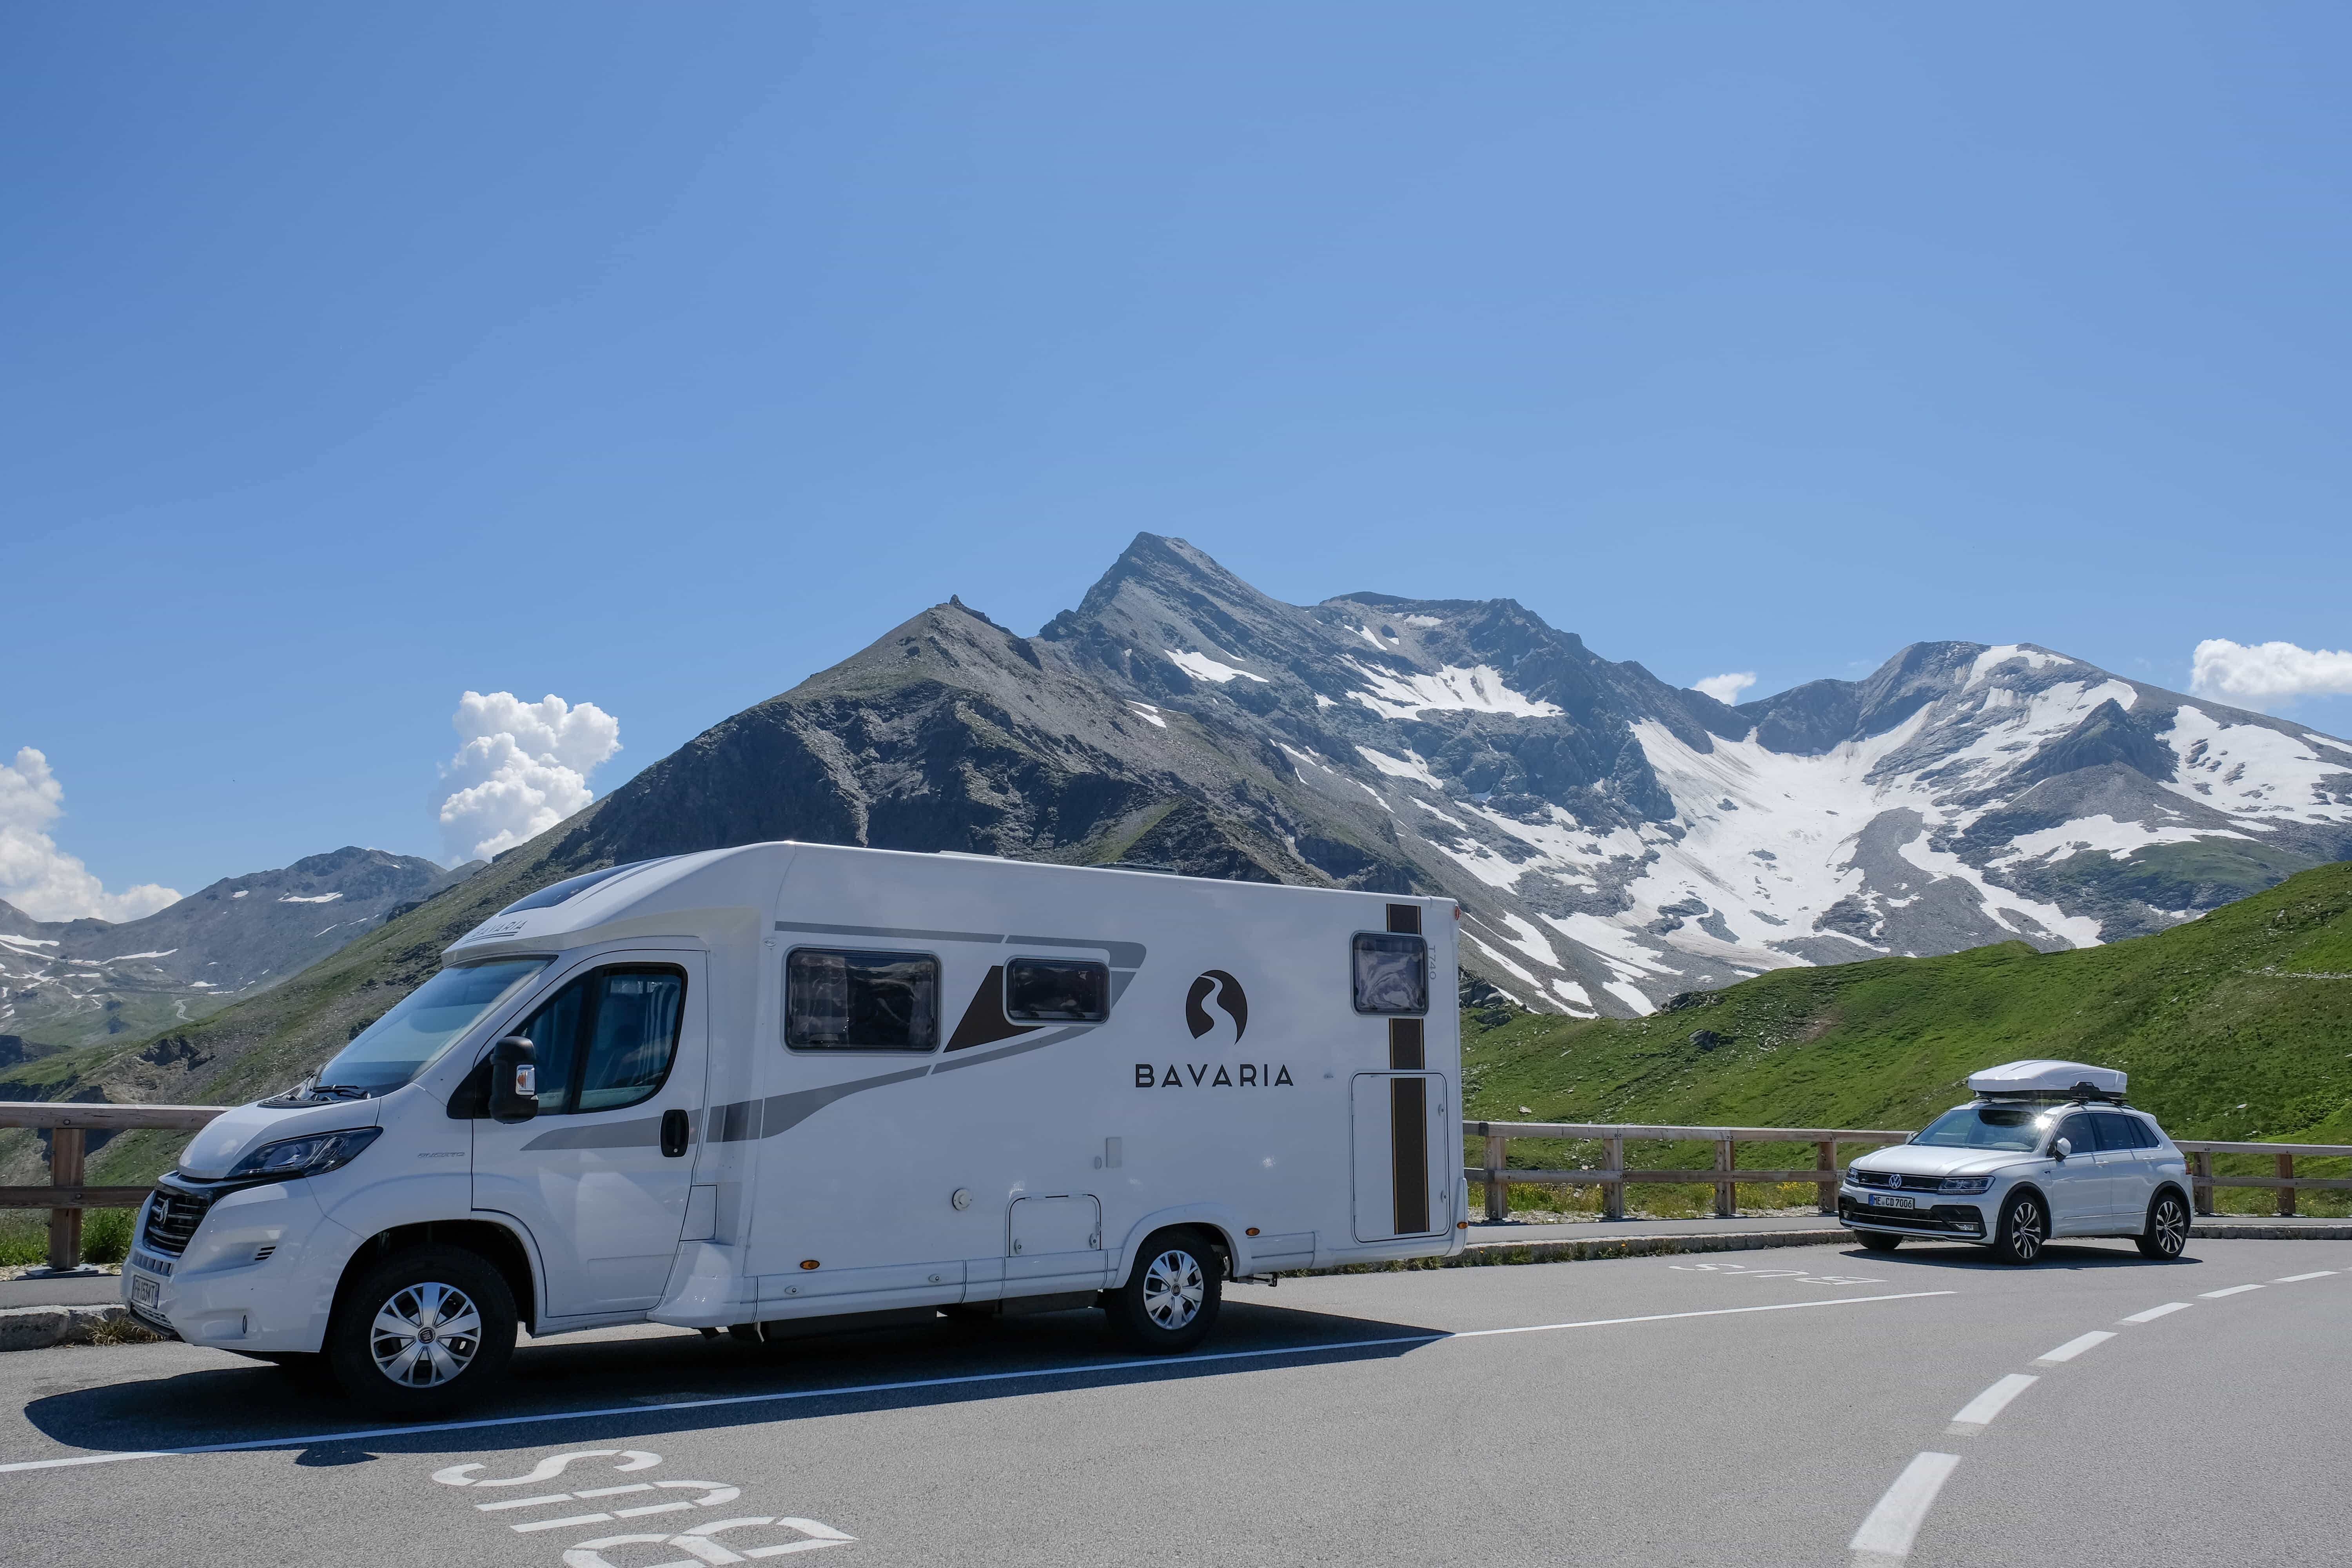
column 426, row 1335
column 2025, row 1230
column 1173, row 1289
column 2171, row 1232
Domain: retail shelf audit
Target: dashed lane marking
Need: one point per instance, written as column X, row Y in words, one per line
column 2075, row 1347
column 1886, row 1535
column 1083, row 1369
column 2299, row 1279
column 1977, row 1413
column 2153, row 1313
column 2233, row 1290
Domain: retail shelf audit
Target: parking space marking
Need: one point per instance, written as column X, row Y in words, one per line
column 789, row 1396
column 1977, row 1413
column 2233, row 1290
column 2153, row 1313
column 2299, row 1279
column 1886, row 1535
column 1798, row 1276
column 2075, row 1347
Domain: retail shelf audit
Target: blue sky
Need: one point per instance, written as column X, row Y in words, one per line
column 657, row 356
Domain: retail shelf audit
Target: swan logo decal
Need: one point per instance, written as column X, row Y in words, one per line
column 1230, row 998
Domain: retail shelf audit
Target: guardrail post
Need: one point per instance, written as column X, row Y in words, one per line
column 2286, row 1195
column 2201, row 1180
column 65, row 1171
column 1825, row 1159
column 1499, row 1191
column 1612, row 1193
column 1726, row 1198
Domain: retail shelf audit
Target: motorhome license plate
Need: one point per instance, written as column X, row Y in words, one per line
column 1887, row 1200
column 143, row 1292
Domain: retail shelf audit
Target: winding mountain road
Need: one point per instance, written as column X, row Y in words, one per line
column 1808, row 1405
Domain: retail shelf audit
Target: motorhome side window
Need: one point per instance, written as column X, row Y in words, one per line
column 1056, row 990
column 861, row 1001
column 607, row 1039
column 1392, row 972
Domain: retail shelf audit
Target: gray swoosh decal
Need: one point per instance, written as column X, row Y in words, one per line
column 637, row 1133
column 976, row 1057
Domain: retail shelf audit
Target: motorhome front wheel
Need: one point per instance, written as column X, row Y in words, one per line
column 427, row 1329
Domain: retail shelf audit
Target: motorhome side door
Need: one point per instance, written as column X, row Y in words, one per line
column 1402, row 1188
column 601, row 1175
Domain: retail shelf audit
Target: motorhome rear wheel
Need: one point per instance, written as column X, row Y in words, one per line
column 1170, row 1299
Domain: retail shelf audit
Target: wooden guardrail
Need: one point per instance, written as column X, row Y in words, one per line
column 2203, row 1181
column 69, row 1125
column 1613, row 1174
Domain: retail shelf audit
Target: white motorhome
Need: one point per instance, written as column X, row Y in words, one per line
column 792, row 1087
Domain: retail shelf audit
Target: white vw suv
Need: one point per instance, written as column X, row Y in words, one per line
column 2047, row 1149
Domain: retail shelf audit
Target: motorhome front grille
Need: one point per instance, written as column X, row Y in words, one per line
column 174, row 1218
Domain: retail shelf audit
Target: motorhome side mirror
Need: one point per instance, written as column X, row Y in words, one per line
column 514, row 1080
column 2064, row 1147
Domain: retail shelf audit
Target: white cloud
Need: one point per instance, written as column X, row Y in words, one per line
column 521, row 768
column 2267, row 674
column 1725, row 688
column 42, row 880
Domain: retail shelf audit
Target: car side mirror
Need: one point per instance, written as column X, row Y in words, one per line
column 2064, row 1147
column 514, row 1080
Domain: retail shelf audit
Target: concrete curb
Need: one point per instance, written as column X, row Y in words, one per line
column 2258, row 1231
column 1491, row 1254
column 38, row 1328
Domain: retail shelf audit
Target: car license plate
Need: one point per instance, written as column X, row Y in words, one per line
column 143, row 1292
column 1889, row 1201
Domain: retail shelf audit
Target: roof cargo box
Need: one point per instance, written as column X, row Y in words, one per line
column 2038, row 1077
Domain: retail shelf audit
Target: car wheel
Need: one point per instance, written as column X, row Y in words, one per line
column 1879, row 1240
column 1170, row 1300
column 426, row 1331
column 2168, row 1228
column 2023, row 1228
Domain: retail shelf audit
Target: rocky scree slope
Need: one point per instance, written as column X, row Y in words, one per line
column 74, row 983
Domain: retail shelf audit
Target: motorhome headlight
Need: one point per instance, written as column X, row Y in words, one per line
column 311, row 1156
column 1964, row 1185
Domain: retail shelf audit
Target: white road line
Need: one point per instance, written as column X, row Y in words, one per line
column 1887, row 1535
column 2233, row 1290
column 1084, row 1369
column 2075, row 1347
column 2299, row 1279
column 1978, row 1413
column 2153, row 1313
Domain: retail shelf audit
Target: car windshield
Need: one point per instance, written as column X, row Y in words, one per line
column 1987, row 1127
column 421, row 1024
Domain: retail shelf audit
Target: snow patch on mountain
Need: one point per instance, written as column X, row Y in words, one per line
column 2254, row 772
column 1475, row 689
column 1200, row 666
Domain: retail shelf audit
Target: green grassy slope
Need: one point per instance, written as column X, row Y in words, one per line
column 2237, row 1025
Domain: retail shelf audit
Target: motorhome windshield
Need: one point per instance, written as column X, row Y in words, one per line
column 2016, row 1127
column 421, row 1024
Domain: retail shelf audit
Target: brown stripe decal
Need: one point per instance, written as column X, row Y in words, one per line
column 1409, row 1153
column 1405, row 1053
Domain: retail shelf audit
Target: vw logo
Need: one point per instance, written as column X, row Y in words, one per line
column 1894, row 1181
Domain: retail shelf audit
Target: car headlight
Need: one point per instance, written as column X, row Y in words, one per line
column 312, row 1156
column 1964, row 1185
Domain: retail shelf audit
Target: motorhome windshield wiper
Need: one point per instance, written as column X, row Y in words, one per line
column 338, row 1092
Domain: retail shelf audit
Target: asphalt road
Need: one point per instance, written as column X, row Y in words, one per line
column 1750, row 1408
